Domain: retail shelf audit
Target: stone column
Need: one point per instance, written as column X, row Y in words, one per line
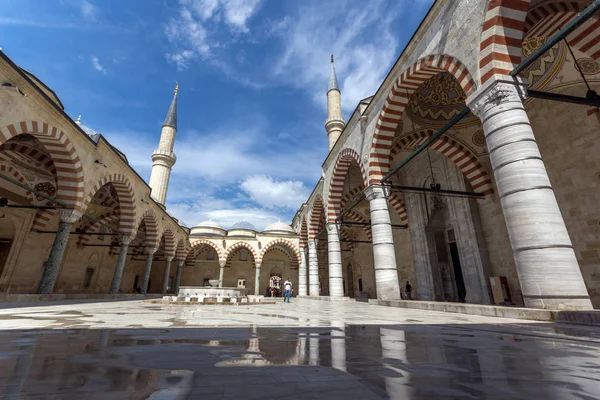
column 118, row 274
column 221, row 273
column 384, row 254
column 57, row 254
column 180, row 264
column 150, row 252
column 313, row 268
column 165, row 284
column 302, row 277
column 336, row 278
column 257, row 280
column 548, row 271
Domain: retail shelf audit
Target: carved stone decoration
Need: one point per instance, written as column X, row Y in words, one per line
column 47, row 188
column 497, row 92
column 478, row 139
column 588, row 66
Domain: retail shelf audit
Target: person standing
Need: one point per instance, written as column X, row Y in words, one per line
column 408, row 291
column 287, row 286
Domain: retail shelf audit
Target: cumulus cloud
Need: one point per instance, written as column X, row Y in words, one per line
column 271, row 194
column 97, row 66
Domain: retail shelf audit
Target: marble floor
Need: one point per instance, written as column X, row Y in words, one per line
column 308, row 349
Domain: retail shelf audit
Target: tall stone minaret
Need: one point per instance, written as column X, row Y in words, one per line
column 334, row 124
column 163, row 158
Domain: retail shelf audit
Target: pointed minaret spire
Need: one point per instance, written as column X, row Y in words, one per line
column 334, row 124
column 163, row 157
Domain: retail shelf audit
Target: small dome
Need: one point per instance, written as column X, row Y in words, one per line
column 279, row 227
column 208, row 224
column 207, row 228
column 244, row 225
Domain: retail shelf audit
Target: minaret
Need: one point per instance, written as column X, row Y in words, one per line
column 163, row 158
column 334, row 124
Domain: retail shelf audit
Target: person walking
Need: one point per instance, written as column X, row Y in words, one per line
column 287, row 286
column 408, row 291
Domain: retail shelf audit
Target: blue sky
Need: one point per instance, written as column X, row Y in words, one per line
column 252, row 75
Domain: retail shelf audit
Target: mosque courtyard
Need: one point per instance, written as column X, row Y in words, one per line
column 308, row 349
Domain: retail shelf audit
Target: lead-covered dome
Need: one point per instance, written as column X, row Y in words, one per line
column 208, row 228
column 279, row 228
column 244, row 225
column 242, row 228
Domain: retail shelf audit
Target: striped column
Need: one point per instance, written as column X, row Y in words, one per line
column 384, row 255
column 115, row 285
column 549, row 275
column 257, row 280
column 336, row 279
column 165, row 284
column 302, row 277
column 150, row 252
column 57, row 254
column 313, row 268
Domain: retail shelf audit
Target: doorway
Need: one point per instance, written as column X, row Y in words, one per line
column 458, row 275
column 350, row 280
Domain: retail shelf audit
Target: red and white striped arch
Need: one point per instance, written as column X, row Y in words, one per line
column 182, row 250
column 345, row 158
column 14, row 173
column 303, row 233
column 127, row 217
column 461, row 156
column 170, row 244
column 16, row 151
column 199, row 243
column 507, row 22
column 90, row 227
column 317, row 215
column 150, row 221
column 238, row 246
column 281, row 243
column 351, row 215
column 397, row 204
column 393, row 109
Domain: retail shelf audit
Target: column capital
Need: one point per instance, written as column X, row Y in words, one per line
column 180, row 262
column 497, row 91
column 377, row 192
column 222, row 264
column 169, row 257
column 125, row 239
column 257, row 265
column 150, row 250
column 332, row 227
column 312, row 243
column 68, row 215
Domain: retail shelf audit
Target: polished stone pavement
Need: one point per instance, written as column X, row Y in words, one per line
column 308, row 349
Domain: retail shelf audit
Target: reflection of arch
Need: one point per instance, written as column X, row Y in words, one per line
column 461, row 156
column 149, row 219
column 279, row 242
column 345, row 158
column 169, row 237
column 196, row 244
column 393, row 109
column 317, row 215
column 239, row 245
column 69, row 172
column 8, row 170
column 126, row 200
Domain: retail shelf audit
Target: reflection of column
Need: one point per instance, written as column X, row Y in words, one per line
column 302, row 351
column 302, row 278
column 338, row 345
column 336, row 280
column 221, row 273
column 313, row 351
column 180, row 264
column 165, row 284
column 14, row 386
column 393, row 352
column 118, row 274
column 257, row 280
column 313, row 268
column 538, row 236
column 384, row 254
column 57, row 254
column 150, row 252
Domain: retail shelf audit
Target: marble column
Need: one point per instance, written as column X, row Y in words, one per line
column 334, row 250
column 338, row 345
column 257, row 280
column 165, row 284
column 313, row 268
column 548, row 271
column 180, row 264
column 302, row 274
column 118, row 274
column 150, row 252
column 384, row 254
column 221, row 273
column 57, row 254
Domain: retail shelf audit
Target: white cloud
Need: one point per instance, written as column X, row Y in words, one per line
column 97, row 66
column 89, row 11
column 270, row 193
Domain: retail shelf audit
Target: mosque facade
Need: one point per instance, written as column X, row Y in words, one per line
column 471, row 173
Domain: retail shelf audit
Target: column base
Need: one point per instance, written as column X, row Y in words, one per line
column 558, row 302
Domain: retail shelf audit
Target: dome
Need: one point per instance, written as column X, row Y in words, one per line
column 279, row 227
column 207, row 228
column 244, row 225
column 208, row 224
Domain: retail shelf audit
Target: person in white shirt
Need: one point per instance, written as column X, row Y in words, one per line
column 287, row 293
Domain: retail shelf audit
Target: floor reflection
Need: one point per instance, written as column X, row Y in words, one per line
column 339, row 361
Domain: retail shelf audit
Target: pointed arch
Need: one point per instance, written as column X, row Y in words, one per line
column 126, row 196
column 150, row 220
column 393, row 109
column 14, row 173
column 170, row 244
column 240, row 245
column 317, row 214
column 182, row 250
column 336, row 187
column 196, row 244
column 280, row 242
column 303, row 233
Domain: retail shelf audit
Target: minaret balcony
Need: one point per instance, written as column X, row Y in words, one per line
column 335, row 122
column 164, row 155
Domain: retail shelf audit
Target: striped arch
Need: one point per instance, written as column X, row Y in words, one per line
column 90, row 227
column 152, row 238
column 279, row 242
column 351, row 215
column 69, row 171
column 196, row 244
column 397, row 204
column 14, row 173
column 393, row 109
column 182, row 250
column 239, row 245
column 126, row 196
column 461, row 156
column 345, row 158
column 316, row 216
column 15, row 151
column 303, row 233
column 170, row 243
